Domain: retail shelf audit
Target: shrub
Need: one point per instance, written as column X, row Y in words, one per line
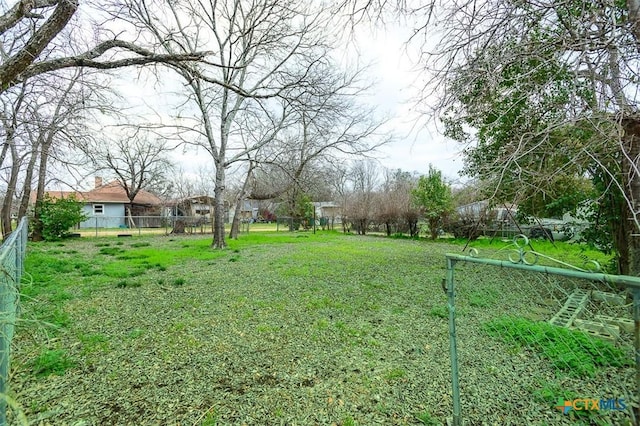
column 57, row 216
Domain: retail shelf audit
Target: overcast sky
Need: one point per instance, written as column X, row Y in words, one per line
column 417, row 142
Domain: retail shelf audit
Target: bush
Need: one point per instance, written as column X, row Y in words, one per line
column 57, row 216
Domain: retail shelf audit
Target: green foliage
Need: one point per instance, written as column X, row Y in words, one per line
column 569, row 350
column 395, row 374
column 111, row 251
column 141, row 244
column 211, row 419
column 57, row 216
column 300, row 208
column 541, row 133
column 348, row 421
column 440, row 311
column 51, row 362
column 433, row 195
column 607, row 227
column 483, row 298
column 427, row 419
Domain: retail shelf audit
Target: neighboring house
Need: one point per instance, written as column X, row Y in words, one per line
column 249, row 210
column 481, row 210
column 329, row 210
column 200, row 206
column 105, row 205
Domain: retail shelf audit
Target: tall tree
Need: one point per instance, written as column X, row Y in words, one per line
column 551, row 89
column 328, row 126
column 40, row 121
column 263, row 50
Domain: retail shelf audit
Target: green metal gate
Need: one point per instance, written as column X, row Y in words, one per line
column 558, row 326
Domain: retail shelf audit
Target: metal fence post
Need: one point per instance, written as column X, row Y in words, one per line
column 11, row 269
column 636, row 331
column 526, row 261
column 450, row 289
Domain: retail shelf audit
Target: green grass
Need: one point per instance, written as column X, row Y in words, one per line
column 440, row 311
column 569, row 350
column 287, row 328
column 484, row 298
column 426, row 418
column 574, row 254
column 51, row 362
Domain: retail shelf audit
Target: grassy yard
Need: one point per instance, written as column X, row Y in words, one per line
column 287, row 328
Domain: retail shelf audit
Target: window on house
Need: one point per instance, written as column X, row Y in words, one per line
column 98, row 209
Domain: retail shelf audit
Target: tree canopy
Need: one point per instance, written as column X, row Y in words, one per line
column 433, row 196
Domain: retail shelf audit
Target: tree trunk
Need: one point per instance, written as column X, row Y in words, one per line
column 178, row 227
column 132, row 224
column 621, row 229
column 7, row 203
column 26, row 190
column 433, row 228
column 218, row 208
column 235, row 225
column 36, row 234
column 631, row 185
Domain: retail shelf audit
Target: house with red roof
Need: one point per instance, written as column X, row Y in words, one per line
column 106, row 206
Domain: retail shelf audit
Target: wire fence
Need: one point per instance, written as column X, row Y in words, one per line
column 113, row 226
column 536, row 344
column 105, row 226
column 12, row 254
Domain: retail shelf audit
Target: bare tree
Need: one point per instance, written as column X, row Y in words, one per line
column 11, row 123
column 135, row 161
column 262, row 49
column 329, row 127
column 31, row 30
column 40, row 121
column 364, row 175
column 395, row 209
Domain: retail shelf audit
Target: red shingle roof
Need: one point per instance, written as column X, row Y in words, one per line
column 111, row 192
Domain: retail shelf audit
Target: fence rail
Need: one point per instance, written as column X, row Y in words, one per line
column 12, row 254
column 545, row 344
column 104, row 226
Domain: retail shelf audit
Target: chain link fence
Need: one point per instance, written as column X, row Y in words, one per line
column 535, row 344
column 12, row 254
column 111, row 226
